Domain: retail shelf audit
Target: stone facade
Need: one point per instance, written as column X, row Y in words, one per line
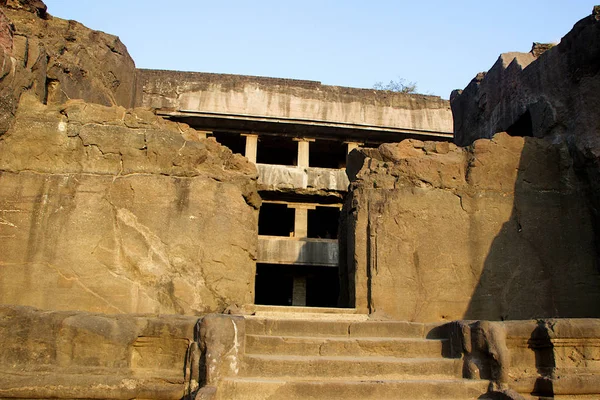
column 290, row 101
column 298, row 134
column 464, row 272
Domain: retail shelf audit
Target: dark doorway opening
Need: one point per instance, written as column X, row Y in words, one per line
column 234, row 141
column 276, row 150
column 275, row 220
column 275, row 284
column 327, row 154
column 323, row 222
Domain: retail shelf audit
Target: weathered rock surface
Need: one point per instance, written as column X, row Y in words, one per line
column 36, row 7
column 67, row 354
column 111, row 210
column 550, row 92
column 498, row 230
column 58, row 60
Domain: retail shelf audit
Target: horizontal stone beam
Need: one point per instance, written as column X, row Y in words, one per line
column 308, row 122
column 277, row 177
column 305, row 251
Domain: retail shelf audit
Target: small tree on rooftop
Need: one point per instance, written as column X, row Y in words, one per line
column 399, row 85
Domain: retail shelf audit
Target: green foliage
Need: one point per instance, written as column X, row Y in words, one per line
column 399, row 85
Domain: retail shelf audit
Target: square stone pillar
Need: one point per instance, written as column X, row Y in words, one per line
column 301, row 218
column 299, row 291
column 251, row 147
column 353, row 145
column 301, row 223
column 303, row 151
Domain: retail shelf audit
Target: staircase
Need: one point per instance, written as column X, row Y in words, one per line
column 345, row 359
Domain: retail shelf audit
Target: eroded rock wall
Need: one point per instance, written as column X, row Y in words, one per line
column 553, row 91
column 498, row 230
column 111, row 210
column 58, row 60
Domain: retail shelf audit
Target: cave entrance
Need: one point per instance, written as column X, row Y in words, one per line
column 295, row 285
column 298, row 252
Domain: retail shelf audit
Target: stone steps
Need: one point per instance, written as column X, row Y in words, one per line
column 328, row 328
column 329, row 358
column 342, row 346
column 324, row 367
column 274, row 389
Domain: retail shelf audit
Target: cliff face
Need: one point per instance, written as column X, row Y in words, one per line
column 498, row 230
column 105, row 212
column 553, row 93
column 58, row 60
column 104, row 208
column 111, row 210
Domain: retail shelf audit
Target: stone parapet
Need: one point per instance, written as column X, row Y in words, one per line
column 69, row 354
column 306, row 251
column 282, row 177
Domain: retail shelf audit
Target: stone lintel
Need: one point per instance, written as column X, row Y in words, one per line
column 304, row 206
column 310, row 206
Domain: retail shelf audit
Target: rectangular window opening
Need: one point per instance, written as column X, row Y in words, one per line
column 275, row 220
column 277, row 150
column 328, row 154
column 323, row 222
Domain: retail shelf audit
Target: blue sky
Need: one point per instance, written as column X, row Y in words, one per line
column 440, row 45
